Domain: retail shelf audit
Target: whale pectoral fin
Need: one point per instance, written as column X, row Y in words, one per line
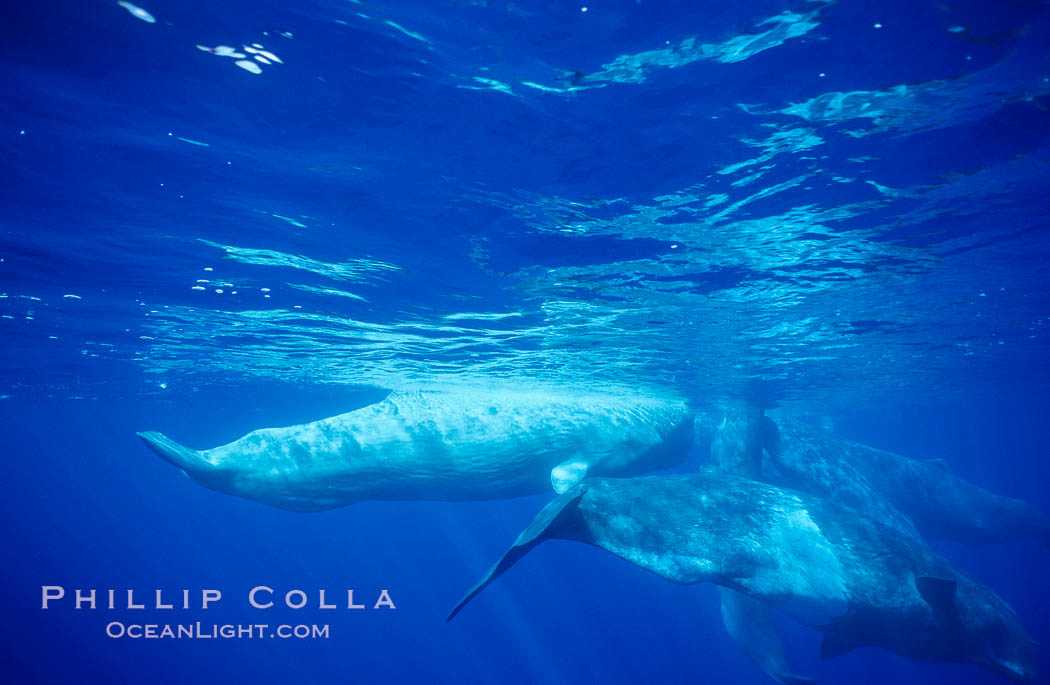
column 529, row 538
column 770, row 436
column 750, row 624
column 938, row 593
column 835, row 645
column 567, row 474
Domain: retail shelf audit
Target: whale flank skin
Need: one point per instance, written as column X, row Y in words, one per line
column 442, row 446
column 856, row 580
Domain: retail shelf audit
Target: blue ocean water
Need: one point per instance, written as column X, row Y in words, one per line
column 837, row 208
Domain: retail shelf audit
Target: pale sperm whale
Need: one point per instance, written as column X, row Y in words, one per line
column 443, row 445
column 856, row 580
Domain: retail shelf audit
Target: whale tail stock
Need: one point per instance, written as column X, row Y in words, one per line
column 536, row 533
column 189, row 461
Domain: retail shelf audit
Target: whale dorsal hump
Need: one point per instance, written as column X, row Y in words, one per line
column 939, row 593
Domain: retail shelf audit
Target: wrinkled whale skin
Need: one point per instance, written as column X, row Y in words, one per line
column 855, row 579
column 441, row 445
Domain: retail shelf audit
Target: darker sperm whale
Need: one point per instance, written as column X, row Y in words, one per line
column 881, row 485
column 856, row 580
column 911, row 494
column 938, row 502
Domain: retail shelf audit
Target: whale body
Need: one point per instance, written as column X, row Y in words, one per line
column 856, row 580
column 918, row 497
column 443, row 445
column 915, row 498
column 939, row 503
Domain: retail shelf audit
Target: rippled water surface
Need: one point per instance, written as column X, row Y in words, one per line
column 826, row 201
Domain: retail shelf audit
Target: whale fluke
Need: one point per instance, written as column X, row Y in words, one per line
column 190, row 461
column 529, row 538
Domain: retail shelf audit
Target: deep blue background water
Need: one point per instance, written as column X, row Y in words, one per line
column 707, row 200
